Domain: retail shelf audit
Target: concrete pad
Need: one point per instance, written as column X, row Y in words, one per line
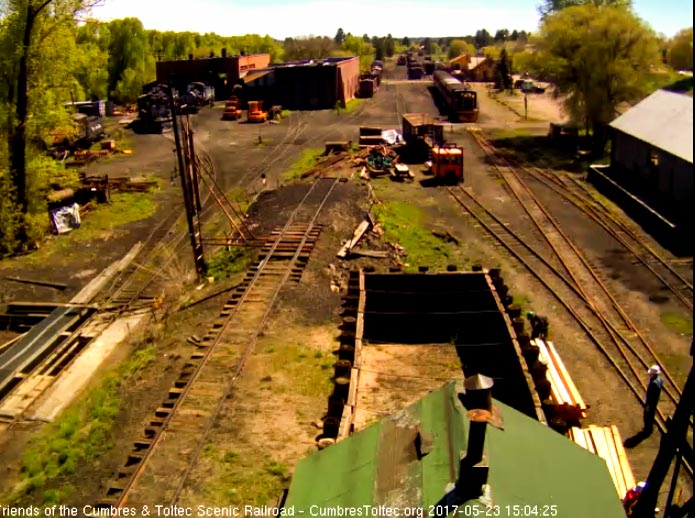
column 78, row 375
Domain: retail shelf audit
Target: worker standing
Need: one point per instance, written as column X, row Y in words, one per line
column 656, row 383
column 539, row 326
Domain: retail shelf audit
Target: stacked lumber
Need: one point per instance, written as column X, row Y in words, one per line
column 370, row 136
column 137, row 184
column 605, row 441
column 565, row 399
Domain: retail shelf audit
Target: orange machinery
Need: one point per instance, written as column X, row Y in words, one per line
column 446, row 163
column 255, row 112
column 231, row 109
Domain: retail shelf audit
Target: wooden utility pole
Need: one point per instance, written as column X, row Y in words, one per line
column 189, row 198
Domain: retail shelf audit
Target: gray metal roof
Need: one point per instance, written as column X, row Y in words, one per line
column 664, row 120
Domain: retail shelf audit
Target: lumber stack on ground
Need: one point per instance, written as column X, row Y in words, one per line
column 605, row 441
column 568, row 403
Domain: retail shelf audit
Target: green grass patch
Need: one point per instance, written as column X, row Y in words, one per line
column 677, row 323
column 402, row 224
column 307, row 370
column 510, row 133
column 99, row 224
column 663, row 78
column 521, row 300
column 79, row 436
column 224, row 262
column 352, row 105
column 247, row 478
column 308, row 159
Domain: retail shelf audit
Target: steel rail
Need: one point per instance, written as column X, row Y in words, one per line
column 122, row 498
column 488, row 148
column 570, row 308
column 252, row 342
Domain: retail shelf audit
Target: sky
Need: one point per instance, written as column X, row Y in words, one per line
column 413, row 18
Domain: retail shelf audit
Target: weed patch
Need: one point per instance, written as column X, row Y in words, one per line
column 352, row 105
column 306, row 370
column 677, row 323
column 79, row 436
column 308, row 159
column 226, row 261
column 402, row 224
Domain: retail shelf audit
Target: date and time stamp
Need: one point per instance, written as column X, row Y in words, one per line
column 494, row 511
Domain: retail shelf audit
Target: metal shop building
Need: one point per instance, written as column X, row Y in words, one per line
column 652, row 155
column 445, row 450
column 305, row 85
column 220, row 72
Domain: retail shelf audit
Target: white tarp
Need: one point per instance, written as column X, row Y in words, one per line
column 391, row 137
column 64, row 219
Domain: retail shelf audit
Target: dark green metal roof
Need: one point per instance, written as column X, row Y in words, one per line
column 529, row 464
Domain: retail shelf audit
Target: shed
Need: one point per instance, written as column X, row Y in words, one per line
column 412, row 459
column 306, row 85
column 652, row 152
column 481, row 69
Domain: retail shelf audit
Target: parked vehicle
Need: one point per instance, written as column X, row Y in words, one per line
column 528, row 86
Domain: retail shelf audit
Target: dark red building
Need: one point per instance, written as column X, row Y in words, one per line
column 220, row 72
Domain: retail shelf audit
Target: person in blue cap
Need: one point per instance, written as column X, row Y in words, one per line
column 651, row 400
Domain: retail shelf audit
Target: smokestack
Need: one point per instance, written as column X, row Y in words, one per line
column 473, row 468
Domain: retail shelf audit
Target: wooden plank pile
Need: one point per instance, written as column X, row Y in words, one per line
column 605, row 441
column 567, row 404
column 370, row 136
column 137, row 184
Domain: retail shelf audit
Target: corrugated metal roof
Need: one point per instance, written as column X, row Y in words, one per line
column 252, row 75
column 476, row 62
column 664, row 120
column 530, row 464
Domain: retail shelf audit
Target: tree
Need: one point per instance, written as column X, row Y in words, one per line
column 680, row 52
column 483, row 38
column 316, row 47
column 458, row 47
column 131, row 63
column 503, row 72
column 596, row 56
column 501, row 36
column 379, row 48
column 554, row 6
column 366, row 38
column 339, row 37
column 405, row 41
column 389, row 46
column 30, row 23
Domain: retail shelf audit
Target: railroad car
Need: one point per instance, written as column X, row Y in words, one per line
column 461, row 102
column 446, row 163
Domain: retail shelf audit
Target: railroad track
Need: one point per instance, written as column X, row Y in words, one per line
column 632, row 240
column 180, row 426
column 599, row 313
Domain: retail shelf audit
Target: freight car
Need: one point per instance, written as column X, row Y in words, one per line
column 88, row 126
column 461, row 102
